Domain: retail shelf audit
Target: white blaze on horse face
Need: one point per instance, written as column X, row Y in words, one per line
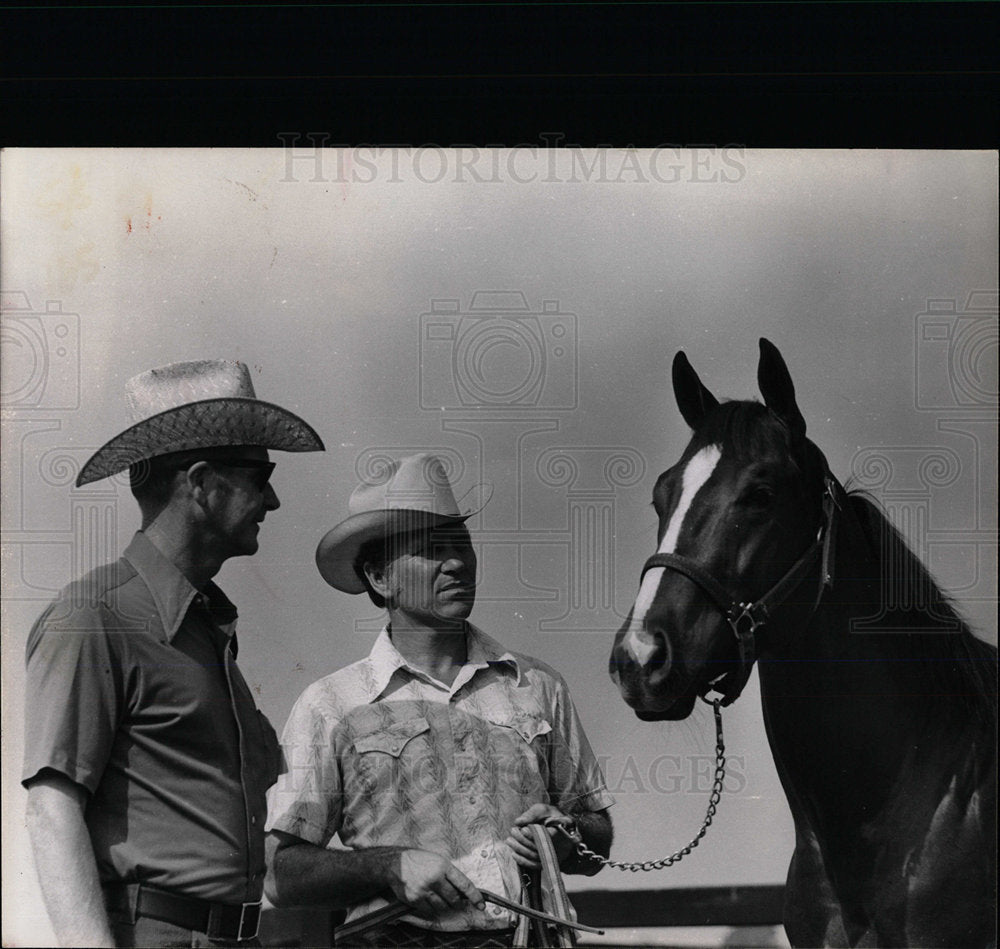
column 699, row 469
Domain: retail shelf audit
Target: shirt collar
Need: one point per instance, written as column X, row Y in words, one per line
column 172, row 592
column 385, row 660
column 484, row 649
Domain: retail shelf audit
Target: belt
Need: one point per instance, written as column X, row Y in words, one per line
column 231, row 921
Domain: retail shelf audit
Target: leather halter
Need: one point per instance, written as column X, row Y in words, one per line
column 745, row 618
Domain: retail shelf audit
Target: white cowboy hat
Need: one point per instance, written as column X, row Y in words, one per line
column 406, row 494
column 205, row 404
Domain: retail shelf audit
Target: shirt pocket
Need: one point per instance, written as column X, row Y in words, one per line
column 384, row 761
column 519, row 748
column 392, row 740
column 527, row 726
column 532, row 727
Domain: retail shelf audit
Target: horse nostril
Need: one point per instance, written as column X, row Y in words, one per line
column 658, row 659
column 642, row 650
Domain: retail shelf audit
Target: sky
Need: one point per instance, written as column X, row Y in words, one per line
column 517, row 313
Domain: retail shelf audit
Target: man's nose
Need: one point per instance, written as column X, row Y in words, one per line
column 457, row 558
column 271, row 501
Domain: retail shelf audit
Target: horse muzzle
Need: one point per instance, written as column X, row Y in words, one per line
column 642, row 666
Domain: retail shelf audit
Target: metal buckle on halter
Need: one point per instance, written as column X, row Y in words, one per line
column 747, row 614
column 830, row 490
column 716, row 685
column 830, row 503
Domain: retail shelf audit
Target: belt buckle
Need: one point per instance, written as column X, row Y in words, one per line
column 249, row 911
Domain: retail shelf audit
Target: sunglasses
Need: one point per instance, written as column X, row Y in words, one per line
column 263, row 469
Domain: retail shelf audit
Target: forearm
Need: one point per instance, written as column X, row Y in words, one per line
column 596, row 831
column 64, row 860
column 303, row 874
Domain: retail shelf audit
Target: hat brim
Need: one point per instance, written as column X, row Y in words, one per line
column 210, row 423
column 338, row 551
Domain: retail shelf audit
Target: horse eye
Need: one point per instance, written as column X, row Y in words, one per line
column 759, row 496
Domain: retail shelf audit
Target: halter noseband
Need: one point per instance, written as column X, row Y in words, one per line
column 746, row 618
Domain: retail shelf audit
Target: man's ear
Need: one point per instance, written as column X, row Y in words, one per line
column 377, row 577
column 196, row 478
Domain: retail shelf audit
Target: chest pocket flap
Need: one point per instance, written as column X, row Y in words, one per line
column 528, row 727
column 393, row 739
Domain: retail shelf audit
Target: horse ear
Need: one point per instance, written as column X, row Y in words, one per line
column 779, row 393
column 693, row 399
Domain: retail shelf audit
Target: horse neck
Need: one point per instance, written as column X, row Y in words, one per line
column 851, row 681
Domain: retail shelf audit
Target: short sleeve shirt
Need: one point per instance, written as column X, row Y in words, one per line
column 381, row 754
column 133, row 692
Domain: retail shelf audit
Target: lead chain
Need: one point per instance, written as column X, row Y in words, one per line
column 720, row 775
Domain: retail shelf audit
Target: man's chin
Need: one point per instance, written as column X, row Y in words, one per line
column 247, row 549
column 454, row 614
column 456, row 607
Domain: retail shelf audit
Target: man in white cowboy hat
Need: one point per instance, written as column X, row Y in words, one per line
column 146, row 760
column 430, row 757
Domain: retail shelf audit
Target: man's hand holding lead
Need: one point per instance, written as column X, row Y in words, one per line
column 522, row 843
column 431, row 884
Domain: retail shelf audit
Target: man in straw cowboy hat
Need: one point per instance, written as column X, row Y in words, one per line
column 147, row 761
column 430, row 757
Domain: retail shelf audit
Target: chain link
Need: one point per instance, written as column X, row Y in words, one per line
column 720, row 774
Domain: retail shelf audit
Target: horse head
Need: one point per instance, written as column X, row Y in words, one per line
column 741, row 520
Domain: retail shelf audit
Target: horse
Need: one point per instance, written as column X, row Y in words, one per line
column 879, row 704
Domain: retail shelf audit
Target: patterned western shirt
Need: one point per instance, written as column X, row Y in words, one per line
column 381, row 754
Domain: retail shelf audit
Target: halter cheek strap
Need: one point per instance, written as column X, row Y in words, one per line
column 745, row 618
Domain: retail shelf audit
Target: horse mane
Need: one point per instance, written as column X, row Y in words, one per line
column 937, row 632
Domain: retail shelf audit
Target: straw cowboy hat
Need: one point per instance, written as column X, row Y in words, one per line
column 410, row 493
column 205, row 404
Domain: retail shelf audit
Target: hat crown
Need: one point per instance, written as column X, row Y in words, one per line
column 403, row 495
column 181, row 383
column 415, row 483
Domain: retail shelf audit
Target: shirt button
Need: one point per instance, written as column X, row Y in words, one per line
column 253, row 820
column 484, row 853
